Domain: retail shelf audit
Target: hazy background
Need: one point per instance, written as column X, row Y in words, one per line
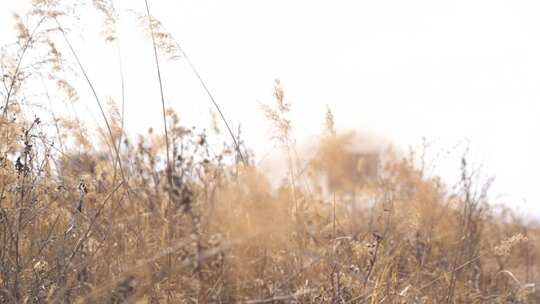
column 456, row 72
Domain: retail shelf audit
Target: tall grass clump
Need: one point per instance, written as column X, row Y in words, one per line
column 96, row 215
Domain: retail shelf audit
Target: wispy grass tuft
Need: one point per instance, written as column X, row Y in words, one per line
column 353, row 222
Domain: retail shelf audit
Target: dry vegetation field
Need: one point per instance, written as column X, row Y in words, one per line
column 177, row 218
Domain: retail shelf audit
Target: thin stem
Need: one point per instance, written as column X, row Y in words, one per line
column 14, row 78
column 113, row 143
column 169, row 169
column 214, row 102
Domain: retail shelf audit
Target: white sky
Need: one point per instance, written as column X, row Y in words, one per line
column 446, row 70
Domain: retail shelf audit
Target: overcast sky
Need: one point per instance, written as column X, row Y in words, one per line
column 448, row 70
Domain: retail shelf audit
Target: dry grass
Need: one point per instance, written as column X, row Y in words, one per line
column 175, row 219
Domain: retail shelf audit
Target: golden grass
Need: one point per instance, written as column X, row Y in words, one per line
column 347, row 227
